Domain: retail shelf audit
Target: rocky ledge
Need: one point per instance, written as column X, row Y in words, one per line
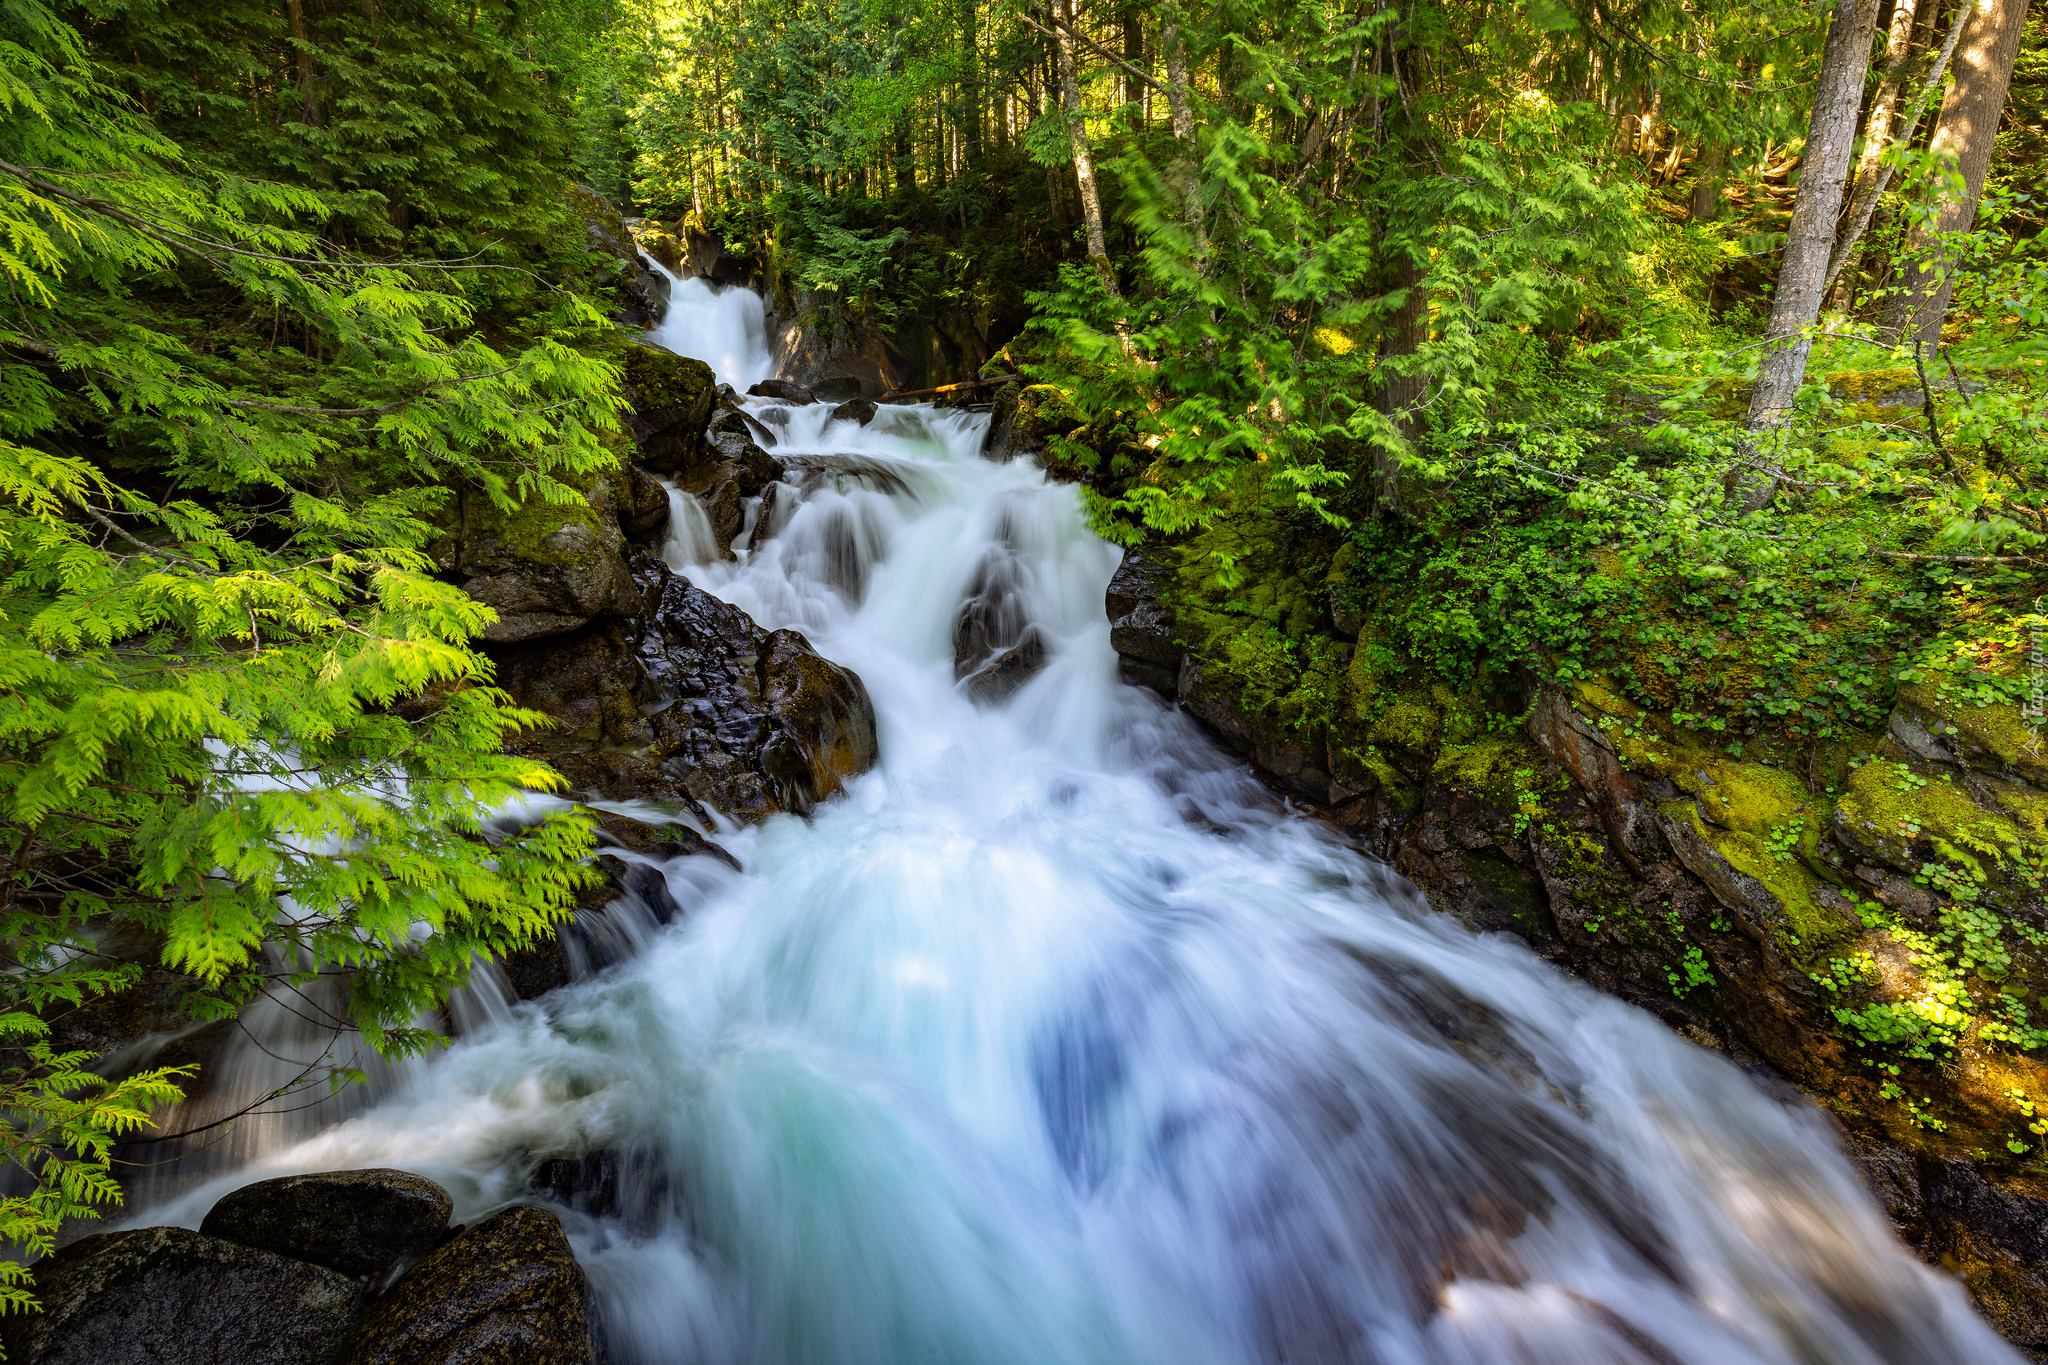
column 1783, row 917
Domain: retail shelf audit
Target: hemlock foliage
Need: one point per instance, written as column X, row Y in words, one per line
column 242, row 714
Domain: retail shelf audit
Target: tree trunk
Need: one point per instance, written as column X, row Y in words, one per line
column 302, row 59
column 1077, row 135
column 1864, row 203
column 1985, row 55
column 1877, row 129
column 969, row 109
column 1177, row 77
column 1401, row 396
column 1706, row 189
column 1134, row 53
column 1803, row 268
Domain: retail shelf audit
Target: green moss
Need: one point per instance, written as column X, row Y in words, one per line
column 661, row 381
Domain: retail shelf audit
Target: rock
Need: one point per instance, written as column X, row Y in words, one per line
column 170, row 1296
column 996, row 648
column 357, row 1222
column 1141, row 627
column 643, row 502
column 787, row 390
column 1001, row 674
column 670, row 400
column 506, row 1292
column 695, row 704
column 544, row 567
column 838, row 388
column 641, row 291
column 861, row 410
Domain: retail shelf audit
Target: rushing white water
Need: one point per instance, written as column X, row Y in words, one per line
column 724, row 327
column 1056, row 1040
column 690, row 539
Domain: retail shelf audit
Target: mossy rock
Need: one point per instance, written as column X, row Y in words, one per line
column 670, row 398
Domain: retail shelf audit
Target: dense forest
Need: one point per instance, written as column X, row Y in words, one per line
column 1690, row 358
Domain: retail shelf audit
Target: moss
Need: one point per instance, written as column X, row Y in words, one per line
column 1910, row 819
column 1044, row 409
column 659, row 381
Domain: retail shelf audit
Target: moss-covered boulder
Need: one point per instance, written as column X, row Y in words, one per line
column 506, row 1291
column 669, row 400
column 545, row 567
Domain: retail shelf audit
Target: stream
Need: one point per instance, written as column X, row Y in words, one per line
column 1057, row 1039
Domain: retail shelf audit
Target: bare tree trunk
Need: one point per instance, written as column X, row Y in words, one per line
column 1803, row 268
column 1863, row 204
column 1989, row 47
column 1877, row 129
column 1077, row 135
column 1134, row 53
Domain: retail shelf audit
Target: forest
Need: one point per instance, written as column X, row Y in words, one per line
column 1684, row 358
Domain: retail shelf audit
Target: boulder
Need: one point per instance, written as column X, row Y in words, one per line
column 357, row 1222
column 506, row 1292
column 695, row 704
column 546, row 568
column 837, row 388
column 641, row 291
column 861, row 410
column 788, row 391
column 170, row 1296
column 669, row 399
column 643, row 502
column 996, row 648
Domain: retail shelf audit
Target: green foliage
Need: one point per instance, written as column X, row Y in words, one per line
column 242, row 712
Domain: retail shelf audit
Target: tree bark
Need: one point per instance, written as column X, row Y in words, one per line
column 1401, row 396
column 1077, row 135
column 1176, row 76
column 1134, row 53
column 1863, row 204
column 1984, row 59
column 1802, row 270
column 302, row 58
column 1706, row 189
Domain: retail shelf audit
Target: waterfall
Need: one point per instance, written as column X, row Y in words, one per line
column 1057, row 1040
column 690, row 538
column 724, row 327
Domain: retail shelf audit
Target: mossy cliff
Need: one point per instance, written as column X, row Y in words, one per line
column 1860, row 912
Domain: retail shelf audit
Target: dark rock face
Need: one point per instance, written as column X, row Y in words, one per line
column 545, row 568
column 643, row 502
column 836, row 388
column 357, row 1222
column 169, row 1296
column 1140, row 626
column 861, row 410
column 697, row 705
column 506, row 1292
column 787, row 390
column 641, row 290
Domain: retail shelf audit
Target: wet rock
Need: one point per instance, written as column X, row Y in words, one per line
column 670, row 400
column 170, row 1296
column 999, row 676
column 357, row 1222
column 1141, row 626
column 996, row 648
column 507, row 1290
column 643, row 502
column 787, row 390
column 861, row 410
column 838, row 388
column 694, row 704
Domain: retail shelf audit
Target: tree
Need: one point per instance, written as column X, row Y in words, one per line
column 1802, row 272
column 1963, row 140
column 242, row 711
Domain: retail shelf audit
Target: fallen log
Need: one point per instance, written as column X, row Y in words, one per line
column 947, row 388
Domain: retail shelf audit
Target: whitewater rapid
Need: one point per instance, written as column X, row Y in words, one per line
column 1057, row 1040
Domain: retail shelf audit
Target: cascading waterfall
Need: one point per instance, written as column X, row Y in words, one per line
column 1056, row 1039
